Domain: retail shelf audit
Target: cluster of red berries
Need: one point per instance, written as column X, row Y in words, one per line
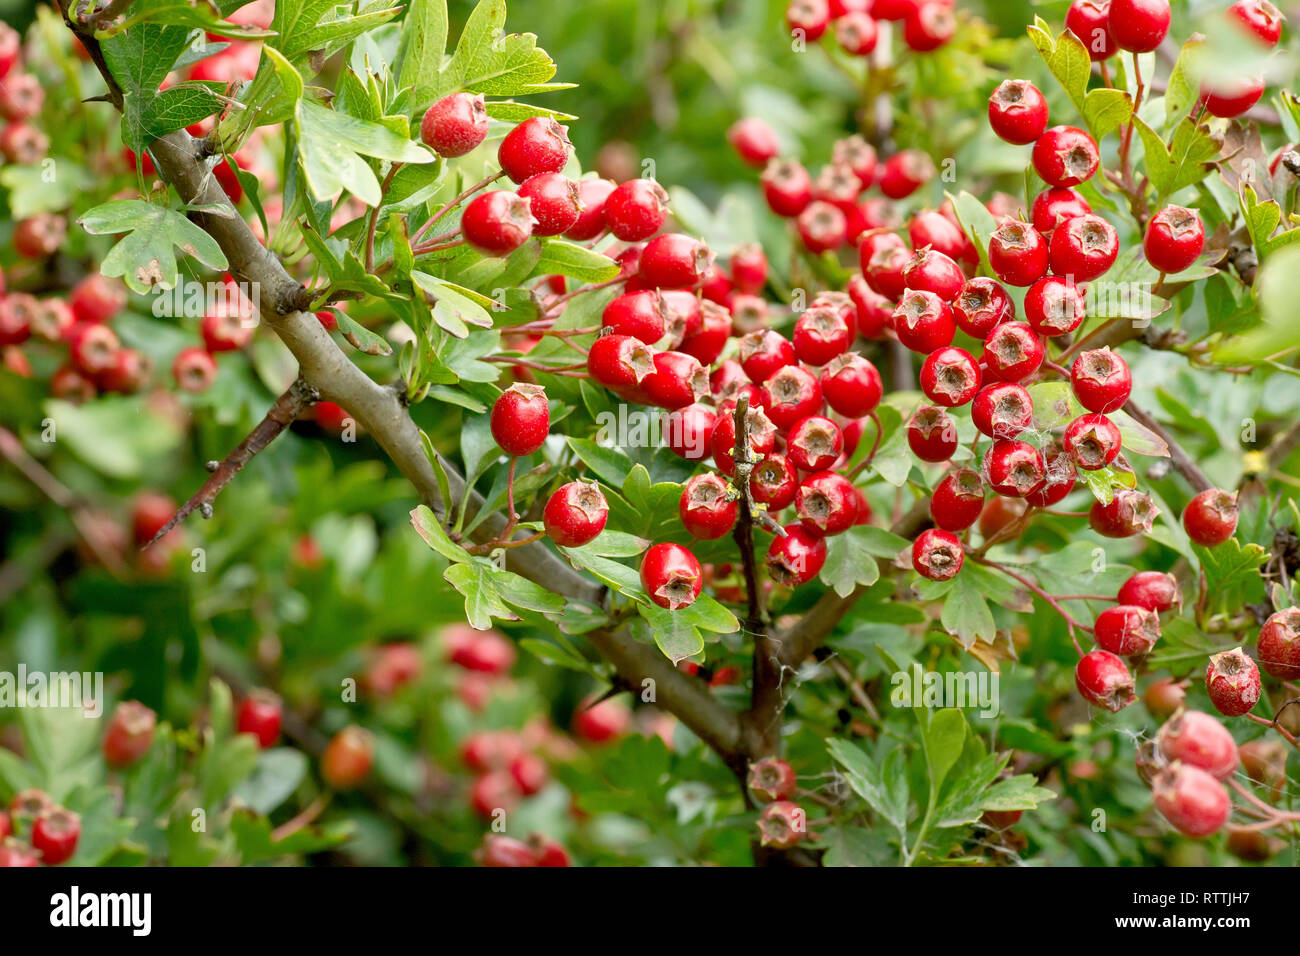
column 927, row 24
column 499, row 850
column 782, row 823
column 36, row 831
column 1184, row 766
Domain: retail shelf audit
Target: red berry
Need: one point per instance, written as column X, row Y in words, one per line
column 537, row 145
column 554, row 201
column 809, row 18
column 129, row 734
column 796, row 557
column 857, row 33
column 393, row 666
column 484, row 652
column 23, row 144
column 1093, row 441
column 923, row 322
column 749, row 268
column 773, row 482
column 937, row 231
column 1018, row 112
column 858, row 155
column 548, row 852
column 932, row 434
column 981, row 306
column 1211, row 517
column 260, row 714
column 814, row 444
column 347, row 759
column 1017, row 253
column 6, row 826
column 950, row 377
column 1174, row 239
column 1199, row 740
column 21, row 97
column 688, row 431
column 1279, row 644
column 1232, row 681
column 782, row 825
column 1231, row 98
column 826, row 503
column 1128, row 513
column 640, row 315
column 671, row 576
column 884, row 267
column 1014, row 468
column 821, row 334
column 791, row 394
column 787, row 187
column 873, row 311
column 598, row 723
column 753, row 141
column 707, row 343
column 678, row 380
column 11, row 43
column 904, row 173
column 937, row 554
column 1013, row 351
column 70, row 385
column 851, row 385
column 1002, row 410
column 1139, row 25
column 40, row 235
column 593, row 194
column 521, row 419
column 97, row 298
column 1164, row 697
column 1054, row 206
column 636, row 209
column 929, row 26
column 1083, row 248
column 1127, row 630
column 705, row 509
column 1261, row 18
column 455, row 125
column 1153, row 590
column 497, row 223
column 822, row 227
column 94, row 349
column 55, row 834
column 1101, row 380
column 958, row 500
column 1089, row 20
column 771, row 779
column 499, row 850
column 1193, row 802
column 529, row 773
column 575, row 514
column 759, row 428
column 1055, row 305
column 674, row 261
column 764, row 353
column 16, row 314
column 493, row 793
column 1065, row 156
column 1103, row 679
column 194, row 369
column 931, row 271
column 620, row 362
column 226, row 329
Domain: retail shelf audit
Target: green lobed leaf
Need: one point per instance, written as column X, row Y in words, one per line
column 144, row 257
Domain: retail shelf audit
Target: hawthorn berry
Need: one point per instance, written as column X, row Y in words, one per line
column 950, row 377
column 935, row 230
column 1193, row 802
column 822, row 226
column 1001, row 516
column 814, row 443
column 1211, row 517
column 16, row 314
column 904, row 173
column 787, row 187
column 705, row 509
column 858, row 155
column 708, row 342
column 593, row 194
column 1127, row 630
column 753, row 141
column 931, row 271
column 21, row 97
column 1104, row 679
column 1164, row 697
column 1093, row 441
column 537, row 145
column 636, row 209
column 671, row 576
column 497, row 222
column 826, row 503
column 857, row 33
column 1018, row 112
column 548, row 852
column 40, row 236
column 929, row 26
column 923, row 322
column 957, row 500
column 688, row 431
column 932, row 434
column 981, row 306
column 1101, row 380
column 641, row 315
column 1017, row 253
column 851, row 385
column 529, row 773
column 1061, row 477
column 796, row 557
column 554, row 201
column 455, row 125
column 773, row 482
column 1153, row 590
column 11, row 43
column 575, row 514
column 1065, row 156
column 1197, row 739
column 771, row 779
column 764, row 353
column 759, row 428
column 937, row 554
column 1014, row 468
column 260, row 714
column 808, row 18
column 194, row 369
column 1128, row 513
column 1089, row 20
column 23, row 144
column 821, row 334
column 782, row 825
column 70, row 385
column 748, row 267
column 790, row 394
column 1174, row 239
column 129, row 734
column 872, row 310
column 15, row 853
column 97, row 298
column 55, row 834
column 1232, row 681
column 1260, row 18
column 226, row 329
column 1055, row 305
column 1083, row 248
column 1054, row 206
column 521, row 419
column 348, row 758
column 1013, row 351
column 1279, row 644
column 674, row 261
column 1002, row 410
column 1139, row 25
column 678, row 380
column 499, row 850
column 620, row 362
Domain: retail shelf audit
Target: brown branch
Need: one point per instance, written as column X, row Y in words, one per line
column 1182, row 462
column 281, row 415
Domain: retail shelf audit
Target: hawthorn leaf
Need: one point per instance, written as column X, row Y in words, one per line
column 144, row 257
column 331, row 146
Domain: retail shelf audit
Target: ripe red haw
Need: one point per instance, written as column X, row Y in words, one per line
column 1194, row 803
column 674, row 261
column 55, row 834
column 1089, row 20
column 937, row 554
column 537, row 145
column 782, row 825
column 796, row 556
column 1153, row 590
column 1279, row 644
column 1104, row 679
column 554, row 201
column 347, row 759
column 636, row 209
column 851, row 385
column 981, row 306
column 932, row 434
column 521, row 419
column 671, row 576
column 455, row 125
column 1198, row 739
column 958, row 500
column 1093, row 441
column 1211, row 517
column 1174, row 239
column 1055, row 305
column 1101, row 380
column 1128, row 513
column 1139, row 25
column 260, row 714
column 1065, row 156
column 1127, row 630
column 950, row 377
column 705, row 509
column 575, row 514
column 1017, row 253
column 771, row 779
column 129, row 734
column 1232, row 681
column 497, row 222
column 1018, row 112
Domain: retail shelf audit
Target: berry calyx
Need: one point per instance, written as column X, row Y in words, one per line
column 575, row 514
column 1055, row 305
column 1018, row 112
column 1127, row 630
column 790, row 395
column 537, row 145
column 782, row 825
column 937, row 554
column 705, row 509
column 814, row 444
column 771, row 779
column 1128, row 513
column 455, row 125
column 1065, row 156
column 796, row 557
column 671, row 576
column 1104, row 679
column 1232, row 681
column 1279, row 644
column 521, row 419
column 1211, row 517
column 1003, row 410
column 1093, row 441
column 1083, row 248
column 1174, row 239
column 981, row 306
column 1101, row 380
column 1014, row 468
